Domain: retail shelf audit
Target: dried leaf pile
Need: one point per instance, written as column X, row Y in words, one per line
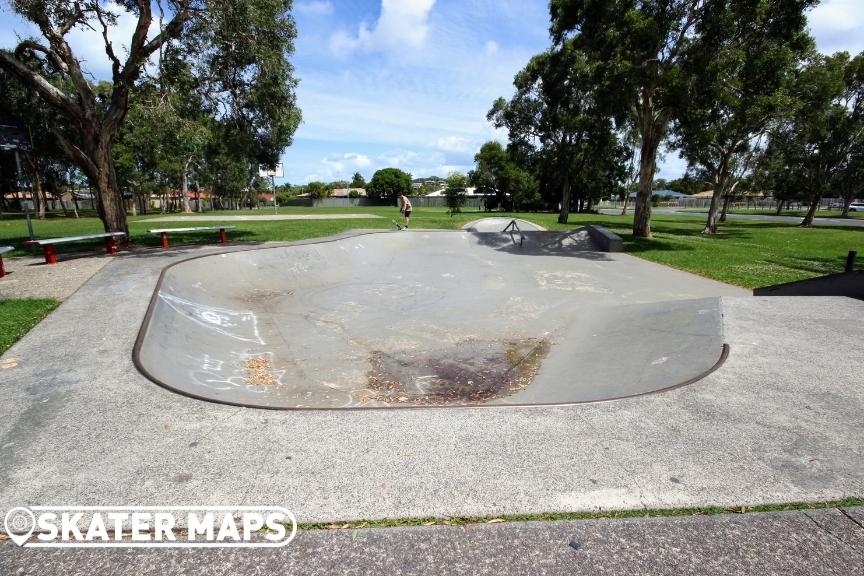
column 259, row 371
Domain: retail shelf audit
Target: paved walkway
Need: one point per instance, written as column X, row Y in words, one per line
column 30, row 277
column 805, row 543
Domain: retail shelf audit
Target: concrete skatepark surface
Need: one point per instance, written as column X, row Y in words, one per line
column 497, row 224
column 79, row 425
column 424, row 319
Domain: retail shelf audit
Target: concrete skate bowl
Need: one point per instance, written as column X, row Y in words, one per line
column 422, row 319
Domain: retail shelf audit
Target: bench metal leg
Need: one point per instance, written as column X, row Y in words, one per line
column 164, row 240
column 110, row 245
column 50, row 254
column 223, row 237
column 2, row 270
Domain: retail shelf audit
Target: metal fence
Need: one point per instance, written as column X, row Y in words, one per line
column 416, row 201
column 745, row 204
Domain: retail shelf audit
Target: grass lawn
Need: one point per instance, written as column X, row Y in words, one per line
column 793, row 213
column 798, row 213
column 748, row 253
column 17, row 317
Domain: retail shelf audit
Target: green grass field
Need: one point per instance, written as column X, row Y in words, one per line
column 792, row 213
column 798, row 213
column 17, row 317
column 746, row 253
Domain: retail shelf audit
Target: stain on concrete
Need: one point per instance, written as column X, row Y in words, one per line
column 469, row 372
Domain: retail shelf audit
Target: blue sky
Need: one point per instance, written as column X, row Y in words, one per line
column 407, row 83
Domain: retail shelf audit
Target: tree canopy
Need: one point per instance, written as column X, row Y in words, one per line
column 227, row 61
column 740, row 72
column 389, row 183
column 556, row 122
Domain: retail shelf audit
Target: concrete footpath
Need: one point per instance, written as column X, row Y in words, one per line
column 79, row 425
column 806, row 543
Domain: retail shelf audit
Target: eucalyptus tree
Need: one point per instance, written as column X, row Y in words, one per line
column 739, row 68
column 819, row 141
column 494, row 169
column 239, row 49
column 773, row 173
column 554, row 115
column 850, row 181
column 639, row 48
column 44, row 159
column 357, row 181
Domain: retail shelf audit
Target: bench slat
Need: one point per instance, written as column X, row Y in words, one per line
column 74, row 238
column 194, row 229
column 4, row 249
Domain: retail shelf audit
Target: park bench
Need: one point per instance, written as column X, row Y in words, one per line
column 48, row 245
column 223, row 237
column 3, row 250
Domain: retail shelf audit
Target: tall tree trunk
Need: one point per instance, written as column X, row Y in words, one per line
column 36, row 194
column 720, row 180
column 648, row 155
column 186, row 206
column 651, row 130
column 726, row 199
column 780, row 204
column 564, row 214
column 107, row 189
column 626, row 201
column 811, row 212
column 74, row 196
column 847, row 200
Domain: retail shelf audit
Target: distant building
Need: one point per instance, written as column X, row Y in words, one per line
column 705, row 194
column 346, row 192
column 431, row 181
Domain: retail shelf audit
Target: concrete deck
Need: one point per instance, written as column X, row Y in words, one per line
column 777, row 423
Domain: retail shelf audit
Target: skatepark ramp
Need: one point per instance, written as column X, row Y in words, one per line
column 428, row 318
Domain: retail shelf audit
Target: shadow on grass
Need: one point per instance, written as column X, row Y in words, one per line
column 636, row 245
column 814, row 266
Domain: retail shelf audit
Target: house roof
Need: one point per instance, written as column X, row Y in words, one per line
column 705, row 194
column 345, row 192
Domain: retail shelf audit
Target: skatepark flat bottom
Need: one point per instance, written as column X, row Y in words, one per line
column 426, row 318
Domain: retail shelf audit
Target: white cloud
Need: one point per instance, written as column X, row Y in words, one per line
column 314, row 8
column 86, row 43
column 491, row 47
column 838, row 15
column 838, row 25
column 400, row 158
column 455, row 144
column 403, row 23
column 339, row 164
column 357, row 160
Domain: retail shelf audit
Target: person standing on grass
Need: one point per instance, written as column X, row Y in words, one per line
column 405, row 208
